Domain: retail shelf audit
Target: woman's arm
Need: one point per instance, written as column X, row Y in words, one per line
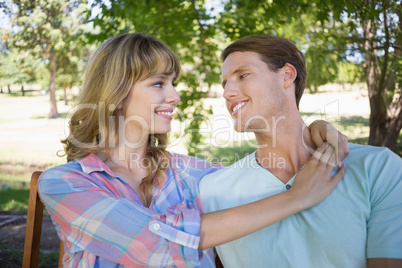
column 92, row 218
column 312, row 184
column 100, row 215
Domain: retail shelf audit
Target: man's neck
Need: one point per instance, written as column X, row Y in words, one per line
column 285, row 152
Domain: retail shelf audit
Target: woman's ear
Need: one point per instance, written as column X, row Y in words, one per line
column 119, row 106
column 290, row 74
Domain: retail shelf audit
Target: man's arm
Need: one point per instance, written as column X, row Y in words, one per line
column 384, row 263
column 384, row 225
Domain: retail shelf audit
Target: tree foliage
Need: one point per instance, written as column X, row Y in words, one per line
column 46, row 30
column 365, row 33
column 15, row 68
column 187, row 27
column 343, row 41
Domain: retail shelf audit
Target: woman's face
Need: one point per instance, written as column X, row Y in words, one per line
column 149, row 106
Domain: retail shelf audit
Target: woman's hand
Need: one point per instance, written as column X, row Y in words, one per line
column 313, row 183
column 322, row 131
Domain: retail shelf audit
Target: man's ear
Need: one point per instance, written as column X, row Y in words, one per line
column 289, row 75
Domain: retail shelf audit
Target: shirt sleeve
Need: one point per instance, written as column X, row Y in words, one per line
column 384, row 226
column 91, row 218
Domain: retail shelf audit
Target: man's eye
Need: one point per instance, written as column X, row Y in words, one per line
column 243, row 75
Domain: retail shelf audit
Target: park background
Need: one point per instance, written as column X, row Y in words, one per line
column 352, row 49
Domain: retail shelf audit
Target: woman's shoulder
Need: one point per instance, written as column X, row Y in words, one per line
column 61, row 170
column 79, row 166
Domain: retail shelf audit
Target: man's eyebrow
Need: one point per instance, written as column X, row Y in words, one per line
column 238, row 70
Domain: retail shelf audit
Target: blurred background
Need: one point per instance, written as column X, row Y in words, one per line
column 352, row 48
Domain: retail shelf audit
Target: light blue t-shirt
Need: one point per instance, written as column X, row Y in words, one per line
column 360, row 219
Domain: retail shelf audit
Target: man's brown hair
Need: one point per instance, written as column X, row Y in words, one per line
column 275, row 52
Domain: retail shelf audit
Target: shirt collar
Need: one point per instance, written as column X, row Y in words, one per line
column 92, row 163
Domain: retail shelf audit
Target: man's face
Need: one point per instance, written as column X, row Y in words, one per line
column 253, row 93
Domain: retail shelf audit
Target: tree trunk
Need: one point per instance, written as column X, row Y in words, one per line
column 22, row 90
column 1, row 90
column 52, row 86
column 65, row 93
column 9, row 89
column 385, row 120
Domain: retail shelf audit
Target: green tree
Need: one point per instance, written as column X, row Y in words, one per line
column 187, row 27
column 330, row 33
column 15, row 68
column 72, row 64
column 44, row 29
column 381, row 44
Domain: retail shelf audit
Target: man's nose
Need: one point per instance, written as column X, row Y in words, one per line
column 230, row 90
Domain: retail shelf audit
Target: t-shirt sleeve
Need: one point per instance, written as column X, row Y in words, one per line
column 384, row 226
column 91, row 218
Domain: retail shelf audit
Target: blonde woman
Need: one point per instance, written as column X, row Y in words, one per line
column 123, row 200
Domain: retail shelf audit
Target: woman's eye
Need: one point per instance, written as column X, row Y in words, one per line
column 158, row 84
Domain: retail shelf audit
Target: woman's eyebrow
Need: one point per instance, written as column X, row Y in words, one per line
column 159, row 76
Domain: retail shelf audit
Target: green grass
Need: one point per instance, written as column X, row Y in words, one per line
column 18, row 180
column 19, row 177
column 14, row 201
column 10, row 256
column 356, row 128
column 49, row 259
column 14, row 257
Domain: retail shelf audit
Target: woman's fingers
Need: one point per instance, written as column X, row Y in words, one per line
column 326, row 153
column 332, row 160
column 328, row 157
column 342, row 150
column 323, row 131
column 314, row 181
column 339, row 175
column 340, row 143
column 320, row 150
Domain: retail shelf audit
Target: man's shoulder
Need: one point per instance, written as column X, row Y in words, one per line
column 370, row 153
column 377, row 164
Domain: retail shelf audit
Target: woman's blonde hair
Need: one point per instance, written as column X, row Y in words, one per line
column 110, row 74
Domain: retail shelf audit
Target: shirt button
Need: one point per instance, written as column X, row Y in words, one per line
column 288, row 186
column 156, row 226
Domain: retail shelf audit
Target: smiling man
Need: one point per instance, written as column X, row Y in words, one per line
column 358, row 224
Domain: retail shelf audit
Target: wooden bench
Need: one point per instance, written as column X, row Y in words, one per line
column 34, row 227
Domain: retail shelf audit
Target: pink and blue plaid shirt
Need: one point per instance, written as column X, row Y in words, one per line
column 102, row 222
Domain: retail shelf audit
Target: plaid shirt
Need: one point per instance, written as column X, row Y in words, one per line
column 102, row 222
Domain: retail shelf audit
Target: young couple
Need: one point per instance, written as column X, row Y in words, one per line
column 123, row 200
